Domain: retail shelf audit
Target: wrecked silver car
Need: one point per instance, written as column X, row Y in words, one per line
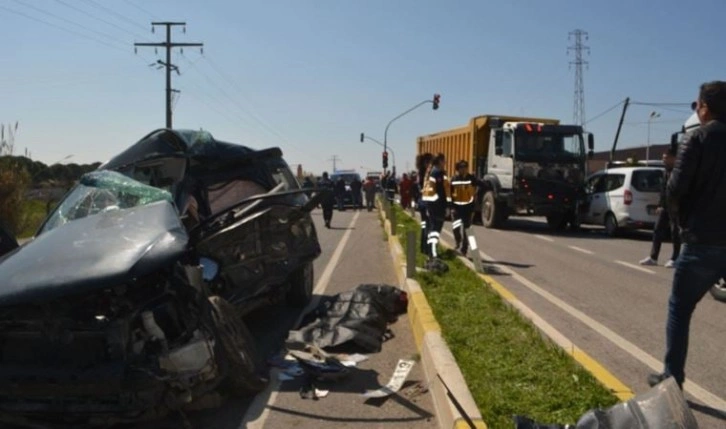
column 120, row 309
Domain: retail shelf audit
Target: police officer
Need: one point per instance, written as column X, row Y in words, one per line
column 463, row 190
column 437, row 196
column 326, row 185
column 423, row 164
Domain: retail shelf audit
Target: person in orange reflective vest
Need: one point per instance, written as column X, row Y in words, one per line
column 423, row 165
column 463, row 191
column 437, row 196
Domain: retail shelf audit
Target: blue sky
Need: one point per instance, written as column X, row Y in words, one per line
column 310, row 76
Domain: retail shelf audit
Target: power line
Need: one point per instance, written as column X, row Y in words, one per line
column 140, row 8
column 643, row 103
column 108, row 45
column 579, row 48
column 85, row 12
column 599, row 115
column 118, row 15
column 37, row 9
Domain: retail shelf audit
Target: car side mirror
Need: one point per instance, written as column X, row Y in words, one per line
column 591, row 142
column 7, row 241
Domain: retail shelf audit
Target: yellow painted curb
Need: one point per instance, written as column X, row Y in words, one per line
column 463, row 424
column 605, row 377
column 421, row 317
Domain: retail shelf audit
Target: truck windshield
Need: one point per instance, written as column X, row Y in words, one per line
column 535, row 147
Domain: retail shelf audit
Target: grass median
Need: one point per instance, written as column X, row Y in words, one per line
column 508, row 365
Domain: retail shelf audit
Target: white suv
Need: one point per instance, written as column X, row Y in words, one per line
column 623, row 197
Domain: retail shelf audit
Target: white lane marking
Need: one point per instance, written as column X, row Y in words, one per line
column 635, row 267
column 580, row 249
column 694, row 389
column 260, row 405
column 542, row 237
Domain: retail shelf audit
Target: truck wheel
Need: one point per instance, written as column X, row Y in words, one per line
column 611, row 225
column 301, row 286
column 244, row 365
column 492, row 211
column 718, row 291
column 557, row 221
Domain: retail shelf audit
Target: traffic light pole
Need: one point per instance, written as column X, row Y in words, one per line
column 363, row 136
column 435, row 102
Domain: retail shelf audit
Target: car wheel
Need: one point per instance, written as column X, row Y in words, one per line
column 245, row 368
column 492, row 211
column 718, row 291
column 611, row 225
column 301, row 286
column 557, row 221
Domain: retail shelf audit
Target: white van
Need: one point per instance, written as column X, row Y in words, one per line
column 623, row 198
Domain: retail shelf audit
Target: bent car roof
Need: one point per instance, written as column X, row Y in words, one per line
column 185, row 143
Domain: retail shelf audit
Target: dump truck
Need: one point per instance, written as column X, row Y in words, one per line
column 527, row 166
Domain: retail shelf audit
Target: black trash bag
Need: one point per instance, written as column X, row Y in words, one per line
column 360, row 316
column 662, row 407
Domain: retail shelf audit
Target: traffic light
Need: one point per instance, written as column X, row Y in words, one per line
column 437, row 97
column 385, row 159
column 362, row 136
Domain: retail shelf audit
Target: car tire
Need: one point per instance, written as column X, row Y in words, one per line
column 301, row 286
column 718, row 291
column 492, row 212
column 245, row 369
column 611, row 225
column 557, row 222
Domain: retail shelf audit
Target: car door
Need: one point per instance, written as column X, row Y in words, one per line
column 501, row 155
column 596, row 199
column 258, row 230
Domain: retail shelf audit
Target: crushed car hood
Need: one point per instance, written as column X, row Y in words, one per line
column 95, row 252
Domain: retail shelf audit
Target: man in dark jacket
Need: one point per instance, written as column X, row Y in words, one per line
column 665, row 224
column 355, row 191
column 696, row 194
column 340, row 193
column 328, row 201
column 437, row 196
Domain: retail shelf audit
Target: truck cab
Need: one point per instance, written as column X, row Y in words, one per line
column 534, row 168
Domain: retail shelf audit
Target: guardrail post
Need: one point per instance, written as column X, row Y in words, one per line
column 393, row 220
column 410, row 253
column 475, row 256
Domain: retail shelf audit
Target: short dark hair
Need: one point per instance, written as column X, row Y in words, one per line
column 423, row 160
column 713, row 94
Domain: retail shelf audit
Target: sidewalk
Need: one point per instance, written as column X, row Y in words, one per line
column 363, row 257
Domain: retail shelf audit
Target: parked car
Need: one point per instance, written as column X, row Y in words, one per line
column 623, row 198
column 124, row 306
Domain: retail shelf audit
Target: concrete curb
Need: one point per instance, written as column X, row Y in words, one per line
column 453, row 402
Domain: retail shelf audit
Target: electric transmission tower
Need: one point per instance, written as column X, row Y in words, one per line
column 579, row 49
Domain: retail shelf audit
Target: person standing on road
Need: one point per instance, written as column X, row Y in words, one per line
column 328, row 201
column 355, row 189
column 665, row 223
column 437, row 195
column 340, row 192
column 369, row 188
column 423, row 164
column 404, row 190
column 696, row 194
column 463, row 190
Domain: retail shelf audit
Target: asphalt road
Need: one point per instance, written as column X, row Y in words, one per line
column 592, row 289
column 354, row 252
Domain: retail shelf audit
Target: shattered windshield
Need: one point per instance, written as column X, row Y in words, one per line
column 537, row 147
column 103, row 191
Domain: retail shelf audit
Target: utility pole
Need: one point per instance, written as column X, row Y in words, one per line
column 579, row 48
column 335, row 159
column 168, row 65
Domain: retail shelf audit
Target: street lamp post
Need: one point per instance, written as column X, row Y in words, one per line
column 653, row 115
column 393, row 154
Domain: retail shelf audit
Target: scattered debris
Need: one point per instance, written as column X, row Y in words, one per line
column 352, row 360
column 403, row 368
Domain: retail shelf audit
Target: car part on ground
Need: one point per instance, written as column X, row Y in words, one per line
column 718, row 291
